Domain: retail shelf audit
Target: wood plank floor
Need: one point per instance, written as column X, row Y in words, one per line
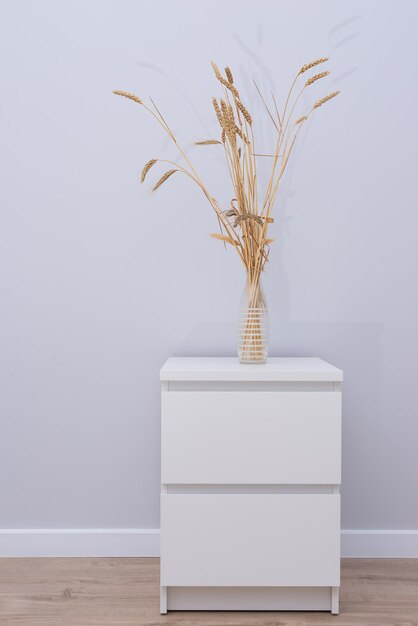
column 113, row 592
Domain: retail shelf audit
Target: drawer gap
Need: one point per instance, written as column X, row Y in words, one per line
column 242, row 386
column 251, row 489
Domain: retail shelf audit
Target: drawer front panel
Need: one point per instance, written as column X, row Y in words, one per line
column 250, row 540
column 251, row 437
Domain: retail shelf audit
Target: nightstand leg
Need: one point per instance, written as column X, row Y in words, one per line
column 335, row 600
column 163, row 600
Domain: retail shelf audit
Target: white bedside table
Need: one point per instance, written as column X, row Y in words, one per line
column 250, row 493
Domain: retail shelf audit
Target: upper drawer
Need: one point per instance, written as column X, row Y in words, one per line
column 251, row 437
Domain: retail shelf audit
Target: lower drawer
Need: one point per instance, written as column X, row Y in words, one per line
column 250, row 540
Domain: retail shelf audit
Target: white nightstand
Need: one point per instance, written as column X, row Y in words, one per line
column 250, row 493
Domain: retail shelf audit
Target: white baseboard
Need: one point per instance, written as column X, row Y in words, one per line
column 379, row 543
column 134, row 542
column 80, row 542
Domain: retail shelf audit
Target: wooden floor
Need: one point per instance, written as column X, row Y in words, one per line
column 112, row 592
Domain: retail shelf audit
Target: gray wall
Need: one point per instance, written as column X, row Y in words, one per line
column 100, row 282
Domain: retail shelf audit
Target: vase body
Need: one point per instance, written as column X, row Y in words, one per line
column 253, row 323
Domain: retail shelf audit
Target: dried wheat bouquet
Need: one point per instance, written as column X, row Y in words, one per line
column 244, row 225
column 245, row 222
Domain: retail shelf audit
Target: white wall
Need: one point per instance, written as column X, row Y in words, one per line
column 101, row 282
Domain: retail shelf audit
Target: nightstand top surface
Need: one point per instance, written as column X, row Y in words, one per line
column 229, row 369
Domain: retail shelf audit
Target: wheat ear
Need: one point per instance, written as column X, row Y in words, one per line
column 163, row 178
column 313, row 79
column 308, row 66
column 126, row 94
column 147, row 168
column 229, row 76
column 244, row 111
column 216, row 70
column 224, row 238
column 230, row 86
column 226, row 83
column 208, row 142
column 322, row 101
column 217, row 111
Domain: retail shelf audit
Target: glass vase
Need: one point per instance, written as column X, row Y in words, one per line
column 253, row 323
